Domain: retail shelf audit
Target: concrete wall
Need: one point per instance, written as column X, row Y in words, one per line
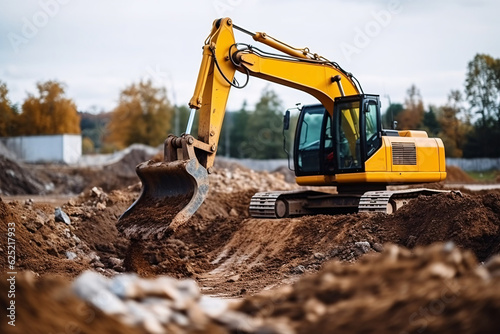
column 478, row 164
column 55, row 148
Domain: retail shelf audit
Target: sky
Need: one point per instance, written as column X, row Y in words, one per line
column 98, row 48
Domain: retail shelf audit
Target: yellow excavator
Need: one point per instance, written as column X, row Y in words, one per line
column 338, row 142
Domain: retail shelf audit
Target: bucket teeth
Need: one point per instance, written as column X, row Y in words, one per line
column 171, row 193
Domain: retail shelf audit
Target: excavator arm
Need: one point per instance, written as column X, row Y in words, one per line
column 222, row 57
column 174, row 189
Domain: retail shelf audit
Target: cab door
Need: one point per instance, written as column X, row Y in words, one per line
column 313, row 153
column 357, row 131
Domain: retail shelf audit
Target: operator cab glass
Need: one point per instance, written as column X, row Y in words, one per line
column 313, row 141
column 339, row 144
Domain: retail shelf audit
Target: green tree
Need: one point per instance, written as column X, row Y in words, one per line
column 482, row 88
column 94, row 126
column 238, row 132
column 182, row 112
column 264, row 139
column 391, row 114
column 142, row 116
column 8, row 115
column 430, row 123
column 482, row 91
column 49, row 113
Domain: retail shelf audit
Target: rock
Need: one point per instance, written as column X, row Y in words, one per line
column 115, row 262
column 34, row 225
column 364, row 246
column 213, row 307
column 61, row 216
column 300, row 269
column 77, row 240
column 71, row 255
column 101, row 206
column 233, row 278
column 93, row 288
column 410, row 243
column 319, row 256
column 378, row 247
column 493, row 266
column 97, row 192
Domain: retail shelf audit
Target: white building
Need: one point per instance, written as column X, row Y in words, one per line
column 53, row 148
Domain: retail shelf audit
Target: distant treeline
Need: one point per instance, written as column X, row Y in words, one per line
column 468, row 124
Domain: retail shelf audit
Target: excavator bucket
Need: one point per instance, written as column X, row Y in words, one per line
column 171, row 193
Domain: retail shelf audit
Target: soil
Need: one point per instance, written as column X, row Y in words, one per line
column 456, row 175
column 437, row 289
column 343, row 272
column 48, row 306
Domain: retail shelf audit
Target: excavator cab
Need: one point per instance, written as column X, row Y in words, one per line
column 328, row 144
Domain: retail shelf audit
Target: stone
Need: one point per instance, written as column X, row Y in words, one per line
column 71, row 255
column 363, row 246
column 61, row 216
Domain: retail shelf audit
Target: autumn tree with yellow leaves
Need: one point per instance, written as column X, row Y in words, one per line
column 49, row 113
column 142, row 116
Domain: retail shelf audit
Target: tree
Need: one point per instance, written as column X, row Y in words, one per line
column 391, row 114
column 8, row 115
column 94, row 126
column 142, row 116
column 413, row 114
column 264, row 139
column 482, row 88
column 49, row 113
column 453, row 130
column 182, row 112
column 238, row 141
column 430, row 123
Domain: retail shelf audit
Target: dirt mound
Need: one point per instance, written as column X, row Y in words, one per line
column 48, row 306
column 439, row 289
column 455, row 174
column 126, row 166
column 235, row 254
column 91, row 240
column 471, row 221
column 436, row 289
column 16, row 179
column 41, row 243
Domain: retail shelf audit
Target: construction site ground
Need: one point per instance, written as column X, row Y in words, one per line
column 315, row 274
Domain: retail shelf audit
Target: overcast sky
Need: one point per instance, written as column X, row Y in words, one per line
column 97, row 48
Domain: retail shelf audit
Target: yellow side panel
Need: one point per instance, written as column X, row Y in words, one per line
column 379, row 162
